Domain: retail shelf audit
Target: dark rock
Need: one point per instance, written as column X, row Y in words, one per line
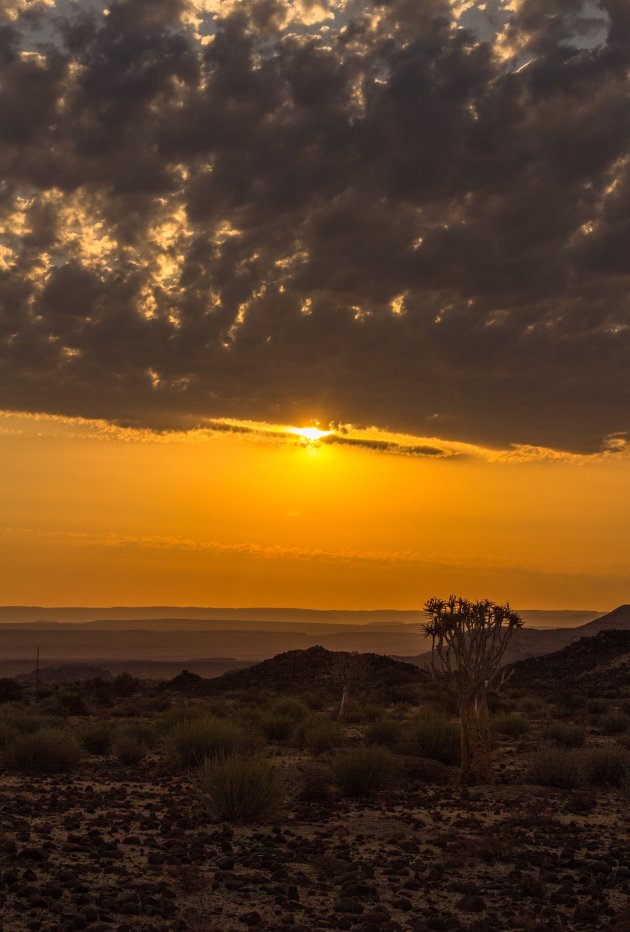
column 471, row 903
column 251, row 919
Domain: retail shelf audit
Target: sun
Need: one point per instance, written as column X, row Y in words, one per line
column 310, row 434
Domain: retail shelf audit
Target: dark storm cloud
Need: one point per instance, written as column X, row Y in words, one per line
column 383, row 218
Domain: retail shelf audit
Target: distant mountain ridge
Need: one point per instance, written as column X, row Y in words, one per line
column 35, row 614
column 618, row 620
column 600, row 663
column 247, row 641
column 146, row 616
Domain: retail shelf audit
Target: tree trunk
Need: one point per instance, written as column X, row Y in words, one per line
column 476, row 762
column 344, row 702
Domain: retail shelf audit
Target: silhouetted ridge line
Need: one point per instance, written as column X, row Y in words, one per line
column 598, row 663
column 297, row 670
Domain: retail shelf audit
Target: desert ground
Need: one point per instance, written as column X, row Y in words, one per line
column 119, row 810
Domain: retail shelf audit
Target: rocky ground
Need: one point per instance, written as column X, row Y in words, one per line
column 103, row 850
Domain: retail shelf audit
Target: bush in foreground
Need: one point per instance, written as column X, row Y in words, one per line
column 242, row 788
column 315, row 784
column 512, row 726
column 435, row 738
column 9, row 690
column 129, row 750
column 615, row 723
column 7, row 734
column 322, row 736
column 551, row 767
column 48, row 750
column 96, row 738
column 384, row 732
column 363, row 772
column 290, row 708
column 566, row 734
column 277, row 726
column 143, row 733
column 607, row 766
column 190, row 742
column 24, row 721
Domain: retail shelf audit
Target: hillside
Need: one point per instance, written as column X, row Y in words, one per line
column 618, row 620
column 534, row 642
column 159, row 670
column 598, row 664
column 299, row 670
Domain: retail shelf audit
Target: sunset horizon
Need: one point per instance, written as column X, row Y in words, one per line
column 314, row 465
column 314, row 303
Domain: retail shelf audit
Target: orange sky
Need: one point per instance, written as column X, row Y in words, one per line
column 93, row 514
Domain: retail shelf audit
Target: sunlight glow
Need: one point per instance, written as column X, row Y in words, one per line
column 310, row 434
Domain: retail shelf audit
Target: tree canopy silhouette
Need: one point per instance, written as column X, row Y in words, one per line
column 468, row 644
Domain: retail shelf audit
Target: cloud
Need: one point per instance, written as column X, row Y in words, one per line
column 387, row 559
column 371, row 439
column 360, row 212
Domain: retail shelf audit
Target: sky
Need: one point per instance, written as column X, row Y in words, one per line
column 402, row 224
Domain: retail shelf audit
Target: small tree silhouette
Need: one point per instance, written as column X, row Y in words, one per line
column 350, row 670
column 468, row 643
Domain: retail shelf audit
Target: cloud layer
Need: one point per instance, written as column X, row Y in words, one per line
column 407, row 214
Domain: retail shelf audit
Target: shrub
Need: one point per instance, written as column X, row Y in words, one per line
column 48, row 750
column 512, row 726
column 615, row 723
column 435, row 738
column 96, row 738
column 321, row 736
column 193, row 740
column 314, row 701
column 125, row 685
column 99, row 690
column 289, row 708
column 357, row 713
column 569, row 703
column 607, row 766
column 424, row 770
column 72, row 703
column 532, row 708
column 277, row 727
column 178, row 714
column 550, row 767
column 125, row 708
column 566, row 734
column 7, row 734
column 21, row 721
column 145, row 734
column 129, row 749
column 315, row 784
column 242, row 788
column 9, row 690
column 384, row 732
column 362, row 772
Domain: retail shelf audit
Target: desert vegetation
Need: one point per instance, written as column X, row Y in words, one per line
column 167, row 806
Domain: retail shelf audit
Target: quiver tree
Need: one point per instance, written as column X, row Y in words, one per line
column 350, row 671
column 468, row 643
